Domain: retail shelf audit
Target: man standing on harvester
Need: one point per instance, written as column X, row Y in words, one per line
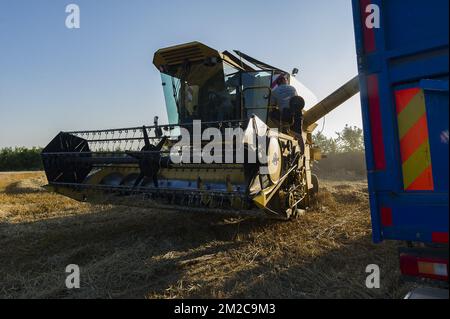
column 290, row 107
column 283, row 93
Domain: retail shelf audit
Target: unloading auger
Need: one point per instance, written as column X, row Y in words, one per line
column 258, row 162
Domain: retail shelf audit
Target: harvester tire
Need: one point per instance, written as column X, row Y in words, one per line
column 315, row 185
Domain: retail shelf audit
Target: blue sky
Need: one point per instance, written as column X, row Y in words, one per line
column 101, row 75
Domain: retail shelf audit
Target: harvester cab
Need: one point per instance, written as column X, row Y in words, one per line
column 220, row 150
column 201, row 83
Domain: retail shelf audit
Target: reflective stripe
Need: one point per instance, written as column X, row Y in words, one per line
column 411, row 114
column 424, row 182
column 414, row 138
column 403, row 97
column 376, row 127
column 386, row 217
column 369, row 34
column 415, row 165
column 414, row 141
column 440, row 237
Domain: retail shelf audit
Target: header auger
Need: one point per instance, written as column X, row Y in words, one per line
column 222, row 149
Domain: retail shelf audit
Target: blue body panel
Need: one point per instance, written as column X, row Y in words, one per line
column 410, row 50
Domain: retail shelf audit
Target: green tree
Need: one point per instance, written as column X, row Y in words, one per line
column 20, row 158
column 327, row 145
column 350, row 139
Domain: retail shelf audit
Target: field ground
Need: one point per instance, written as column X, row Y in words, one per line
column 134, row 252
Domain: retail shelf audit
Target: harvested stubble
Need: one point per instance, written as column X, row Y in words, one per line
column 149, row 253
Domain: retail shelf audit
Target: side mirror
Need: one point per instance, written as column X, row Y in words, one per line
column 158, row 130
column 294, row 72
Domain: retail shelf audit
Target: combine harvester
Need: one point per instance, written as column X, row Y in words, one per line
column 228, row 93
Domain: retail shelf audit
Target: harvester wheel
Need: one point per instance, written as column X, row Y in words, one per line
column 315, row 185
column 297, row 212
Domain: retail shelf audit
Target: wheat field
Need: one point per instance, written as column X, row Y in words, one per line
column 138, row 252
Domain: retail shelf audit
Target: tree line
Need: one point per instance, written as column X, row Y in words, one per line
column 345, row 158
column 349, row 140
column 20, row 159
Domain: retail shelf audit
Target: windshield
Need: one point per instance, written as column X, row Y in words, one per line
column 201, row 92
column 171, row 88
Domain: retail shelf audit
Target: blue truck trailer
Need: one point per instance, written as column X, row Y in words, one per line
column 403, row 63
